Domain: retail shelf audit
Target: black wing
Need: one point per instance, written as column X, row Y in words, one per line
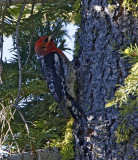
column 58, row 76
column 53, row 72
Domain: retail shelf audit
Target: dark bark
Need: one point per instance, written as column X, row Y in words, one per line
column 101, row 38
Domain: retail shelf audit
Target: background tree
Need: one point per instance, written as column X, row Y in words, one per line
column 105, row 29
column 38, row 122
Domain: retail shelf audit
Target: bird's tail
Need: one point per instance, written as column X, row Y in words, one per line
column 75, row 110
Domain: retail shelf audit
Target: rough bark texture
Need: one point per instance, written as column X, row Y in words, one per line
column 101, row 38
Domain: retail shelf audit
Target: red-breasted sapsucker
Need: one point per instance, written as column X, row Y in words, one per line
column 59, row 75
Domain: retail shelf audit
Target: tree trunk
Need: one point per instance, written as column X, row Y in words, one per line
column 100, row 69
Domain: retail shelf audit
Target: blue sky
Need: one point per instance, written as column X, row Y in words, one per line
column 70, row 42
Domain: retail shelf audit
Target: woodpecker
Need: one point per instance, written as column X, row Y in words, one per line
column 59, row 75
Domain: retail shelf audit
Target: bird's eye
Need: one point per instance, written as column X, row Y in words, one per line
column 45, row 40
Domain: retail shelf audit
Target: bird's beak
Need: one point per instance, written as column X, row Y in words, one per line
column 52, row 36
column 49, row 38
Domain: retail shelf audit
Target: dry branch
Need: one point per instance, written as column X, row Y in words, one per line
column 5, row 119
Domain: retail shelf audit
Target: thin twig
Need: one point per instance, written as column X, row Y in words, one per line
column 20, row 67
column 29, row 53
column 24, row 120
column 18, row 54
column 13, row 135
column 5, row 119
column 55, row 32
column 31, row 38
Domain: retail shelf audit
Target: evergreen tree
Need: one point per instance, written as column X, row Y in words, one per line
column 106, row 64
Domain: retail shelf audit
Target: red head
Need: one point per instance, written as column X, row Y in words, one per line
column 45, row 46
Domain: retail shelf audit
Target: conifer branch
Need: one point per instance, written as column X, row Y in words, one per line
column 13, row 2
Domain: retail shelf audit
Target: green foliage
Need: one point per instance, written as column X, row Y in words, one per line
column 77, row 18
column 111, row 7
column 67, row 145
column 77, row 44
column 77, row 12
column 67, row 150
column 129, row 5
column 126, row 97
column 131, row 53
column 46, row 123
column 45, row 120
column 124, row 131
column 41, row 13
